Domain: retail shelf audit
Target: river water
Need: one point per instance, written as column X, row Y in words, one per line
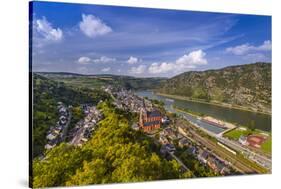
column 262, row 121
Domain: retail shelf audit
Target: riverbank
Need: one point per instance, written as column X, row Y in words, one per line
column 200, row 115
column 187, row 112
column 230, row 106
column 234, row 116
column 196, row 114
column 227, row 125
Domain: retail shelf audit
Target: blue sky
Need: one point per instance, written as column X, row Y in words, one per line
column 141, row 42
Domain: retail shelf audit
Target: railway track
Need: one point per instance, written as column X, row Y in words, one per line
column 236, row 163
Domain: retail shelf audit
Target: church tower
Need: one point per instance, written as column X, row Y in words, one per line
column 144, row 110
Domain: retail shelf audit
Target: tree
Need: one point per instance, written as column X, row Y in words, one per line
column 92, row 173
column 252, row 125
column 58, row 165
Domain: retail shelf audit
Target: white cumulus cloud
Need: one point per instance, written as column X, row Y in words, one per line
column 92, row 26
column 104, row 59
column 84, row 60
column 193, row 58
column 266, row 46
column 247, row 48
column 45, row 33
column 163, row 67
column 133, row 60
column 138, row 69
column 184, row 63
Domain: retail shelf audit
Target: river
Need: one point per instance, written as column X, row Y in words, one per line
column 261, row 121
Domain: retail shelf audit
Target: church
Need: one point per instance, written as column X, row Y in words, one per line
column 149, row 120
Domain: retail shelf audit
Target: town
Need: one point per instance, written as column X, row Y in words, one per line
column 57, row 133
column 176, row 134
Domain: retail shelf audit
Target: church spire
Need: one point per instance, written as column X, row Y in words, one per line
column 143, row 103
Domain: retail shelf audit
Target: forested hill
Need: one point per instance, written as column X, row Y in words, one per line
column 97, row 81
column 60, row 92
column 46, row 94
column 115, row 153
column 245, row 85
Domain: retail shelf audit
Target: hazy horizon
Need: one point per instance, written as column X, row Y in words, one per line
column 113, row 74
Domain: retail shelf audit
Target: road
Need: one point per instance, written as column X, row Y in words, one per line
column 76, row 139
column 65, row 129
column 178, row 160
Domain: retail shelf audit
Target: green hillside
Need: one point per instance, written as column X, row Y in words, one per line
column 115, row 153
column 243, row 85
column 46, row 94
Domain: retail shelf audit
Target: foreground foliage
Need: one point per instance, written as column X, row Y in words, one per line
column 115, row 153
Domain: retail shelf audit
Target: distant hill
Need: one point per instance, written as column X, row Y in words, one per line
column 244, row 85
column 97, row 81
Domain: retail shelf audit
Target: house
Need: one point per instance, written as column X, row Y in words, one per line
column 51, row 136
column 243, row 140
column 179, row 136
column 62, row 110
column 168, row 148
column 48, row 146
column 203, row 156
column 163, row 150
column 165, row 120
column 87, row 133
column 63, row 120
column 84, row 139
column 225, row 171
column 212, row 162
column 191, row 150
column 217, row 165
column 58, row 127
column 170, row 133
column 163, row 140
column 87, row 118
column 135, row 126
column 222, row 169
column 183, row 142
column 57, row 130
